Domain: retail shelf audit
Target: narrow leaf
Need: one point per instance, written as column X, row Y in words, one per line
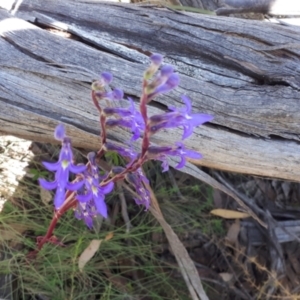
column 88, row 253
column 229, row 214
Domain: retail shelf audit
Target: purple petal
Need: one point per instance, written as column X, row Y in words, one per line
column 156, row 59
column 106, row 77
column 59, row 132
column 118, row 122
column 59, row 197
column 164, row 165
column 122, row 151
column 62, row 176
column 166, row 71
column 91, row 157
column 187, row 102
column 188, row 131
column 171, row 83
column 181, row 163
column 88, row 220
column 47, row 185
column 51, row 166
column 85, row 198
column 136, row 135
column 74, row 186
column 122, row 112
column 101, row 205
column 77, row 168
column 118, row 94
column 107, row 188
column 199, row 119
column 193, row 154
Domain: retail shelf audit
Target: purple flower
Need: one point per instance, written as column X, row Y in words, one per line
column 162, row 153
column 105, row 79
column 128, row 117
column 86, row 212
column 156, row 59
column 170, row 84
column 137, row 180
column 62, row 170
column 164, row 82
column 179, row 117
column 92, row 201
column 59, row 132
column 120, row 150
column 115, row 95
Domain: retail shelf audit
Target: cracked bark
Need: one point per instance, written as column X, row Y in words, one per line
column 245, row 73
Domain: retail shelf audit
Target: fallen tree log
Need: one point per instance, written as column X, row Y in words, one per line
column 245, row 73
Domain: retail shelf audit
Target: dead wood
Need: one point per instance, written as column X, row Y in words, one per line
column 245, row 73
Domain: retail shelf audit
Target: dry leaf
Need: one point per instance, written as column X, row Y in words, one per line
column 226, row 276
column 229, row 214
column 233, row 233
column 88, row 253
column 109, row 236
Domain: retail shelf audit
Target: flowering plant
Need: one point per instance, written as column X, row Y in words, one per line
column 86, row 194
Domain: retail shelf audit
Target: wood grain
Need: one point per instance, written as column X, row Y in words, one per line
column 246, row 73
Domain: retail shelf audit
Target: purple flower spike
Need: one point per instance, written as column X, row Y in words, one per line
column 92, row 200
column 128, row 117
column 62, row 170
column 96, row 195
column 138, row 181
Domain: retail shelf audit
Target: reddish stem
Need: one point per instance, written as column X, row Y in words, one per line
column 66, row 206
column 143, row 109
column 102, row 122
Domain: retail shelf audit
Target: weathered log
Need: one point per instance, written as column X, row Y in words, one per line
column 245, row 73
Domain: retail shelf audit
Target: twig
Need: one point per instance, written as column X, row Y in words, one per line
column 245, row 200
column 199, row 174
column 186, row 265
column 124, row 207
column 276, row 253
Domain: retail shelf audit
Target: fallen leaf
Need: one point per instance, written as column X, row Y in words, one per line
column 226, row 276
column 233, row 233
column 229, row 214
column 109, row 236
column 88, row 253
